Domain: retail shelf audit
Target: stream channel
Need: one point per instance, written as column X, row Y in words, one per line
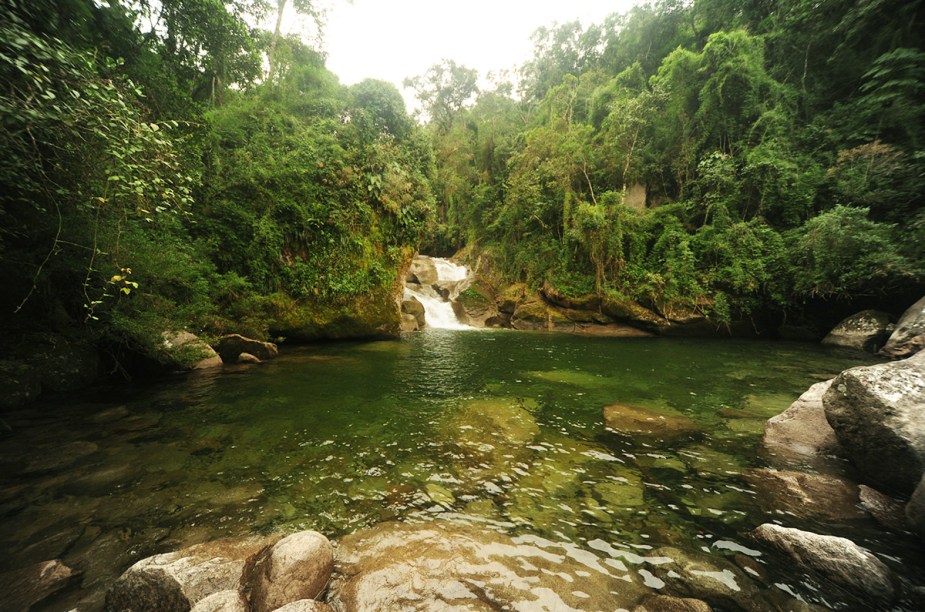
column 502, row 426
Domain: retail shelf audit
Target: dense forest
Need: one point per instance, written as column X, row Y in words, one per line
column 168, row 165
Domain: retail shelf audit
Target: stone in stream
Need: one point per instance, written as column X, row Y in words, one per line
column 411, row 306
column 186, row 351
column 806, row 495
column 802, row 433
column 25, row 588
column 248, row 358
column 878, row 414
column 646, row 423
column 909, row 336
column 179, row 580
column 422, row 271
column 837, row 559
column 446, row 565
column 297, row 567
column 887, row 511
column 865, row 331
column 666, row 603
column 231, row 347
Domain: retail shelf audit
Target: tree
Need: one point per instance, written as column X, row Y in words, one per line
column 444, row 90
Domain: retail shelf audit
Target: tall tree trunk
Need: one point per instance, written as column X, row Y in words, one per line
column 271, row 54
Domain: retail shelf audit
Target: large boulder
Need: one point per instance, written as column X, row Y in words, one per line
column 297, row 567
column 909, row 336
column 442, row 565
column 649, row 424
column 878, row 414
column 836, row 559
column 230, row 348
column 187, row 351
column 179, row 580
column 223, row 601
column 25, row 588
column 422, row 271
column 536, row 315
column 410, row 305
column 802, row 432
column 865, row 331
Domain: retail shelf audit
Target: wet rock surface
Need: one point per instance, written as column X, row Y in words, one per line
column 445, row 565
column 836, row 559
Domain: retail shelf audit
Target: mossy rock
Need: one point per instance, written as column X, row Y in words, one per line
column 373, row 315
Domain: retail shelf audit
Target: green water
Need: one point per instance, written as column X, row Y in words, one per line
column 504, row 426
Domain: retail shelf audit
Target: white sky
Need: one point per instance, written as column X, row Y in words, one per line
column 394, row 39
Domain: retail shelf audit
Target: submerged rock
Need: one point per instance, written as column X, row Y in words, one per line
column 836, row 559
column 888, row 511
column 909, row 336
column 179, row 580
column 865, row 331
column 878, row 414
column 806, row 495
column 641, row 422
column 297, row 567
column 25, row 588
column 443, row 565
column 231, row 348
column 802, row 430
column 711, row 578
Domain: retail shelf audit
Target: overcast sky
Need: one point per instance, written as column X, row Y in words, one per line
column 394, row 39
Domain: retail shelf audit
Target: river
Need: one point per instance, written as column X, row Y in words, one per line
column 502, row 425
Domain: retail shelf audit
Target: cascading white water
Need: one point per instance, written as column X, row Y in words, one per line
column 438, row 310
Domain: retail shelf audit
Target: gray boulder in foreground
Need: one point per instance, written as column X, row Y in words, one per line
column 909, row 336
column 297, row 567
column 866, row 331
column 836, row 559
column 878, row 414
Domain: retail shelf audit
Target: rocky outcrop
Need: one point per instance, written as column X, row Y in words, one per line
column 375, row 314
column 865, row 331
column 25, row 588
column 646, row 423
column 297, row 567
column 836, row 559
column 444, row 565
column 186, row 351
column 232, row 346
column 179, row 580
column 223, row 601
column 909, row 336
column 802, row 432
column 878, row 414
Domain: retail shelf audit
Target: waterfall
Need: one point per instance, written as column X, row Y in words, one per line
column 435, row 283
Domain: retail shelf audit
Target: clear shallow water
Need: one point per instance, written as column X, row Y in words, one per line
column 503, row 426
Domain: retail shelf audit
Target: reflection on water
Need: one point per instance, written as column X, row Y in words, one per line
column 501, row 428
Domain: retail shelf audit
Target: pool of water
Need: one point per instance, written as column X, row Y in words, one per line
column 503, row 426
